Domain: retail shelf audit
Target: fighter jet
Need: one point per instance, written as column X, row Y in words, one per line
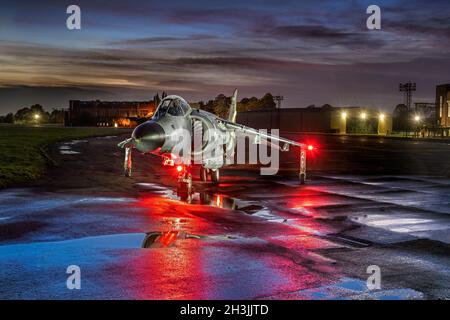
column 175, row 119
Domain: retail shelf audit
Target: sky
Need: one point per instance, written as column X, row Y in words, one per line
column 311, row 52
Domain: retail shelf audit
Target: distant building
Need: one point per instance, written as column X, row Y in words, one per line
column 108, row 113
column 443, row 105
column 320, row 120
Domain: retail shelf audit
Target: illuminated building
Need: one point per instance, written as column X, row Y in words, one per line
column 443, row 105
column 108, row 113
column 321, row 120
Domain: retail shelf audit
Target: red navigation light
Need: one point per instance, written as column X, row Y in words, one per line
column 179, row 168
column 310, row 147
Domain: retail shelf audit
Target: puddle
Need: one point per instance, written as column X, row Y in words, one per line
column 217, row 200
column 69, row 152
column 155, row 239
column 251, row 209
column 156, row 189
column 72, row 142
column 67, row 149
column 355, row 289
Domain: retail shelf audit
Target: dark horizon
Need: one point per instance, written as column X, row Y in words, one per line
column 309, row 53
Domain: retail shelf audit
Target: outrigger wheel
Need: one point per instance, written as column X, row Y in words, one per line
column 302, row 173
column 127, row 163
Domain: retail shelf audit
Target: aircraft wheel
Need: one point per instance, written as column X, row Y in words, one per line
column 215, row 176
column 203, row 174
column 302, row 178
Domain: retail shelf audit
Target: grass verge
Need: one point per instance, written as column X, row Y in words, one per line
column 21, row 156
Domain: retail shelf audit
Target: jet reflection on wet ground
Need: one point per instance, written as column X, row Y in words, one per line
column 165, row 239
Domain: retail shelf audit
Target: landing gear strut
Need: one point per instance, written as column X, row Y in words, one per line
column 302, row 174
column 215, row 176
column 127, row 162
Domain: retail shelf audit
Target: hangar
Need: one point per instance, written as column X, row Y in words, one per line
column 342, row 120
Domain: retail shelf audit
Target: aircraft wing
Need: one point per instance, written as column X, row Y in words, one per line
column 239, row 128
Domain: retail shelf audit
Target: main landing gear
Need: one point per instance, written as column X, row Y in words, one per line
column 213, row 173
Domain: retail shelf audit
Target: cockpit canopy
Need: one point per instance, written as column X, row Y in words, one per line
column 172, row 105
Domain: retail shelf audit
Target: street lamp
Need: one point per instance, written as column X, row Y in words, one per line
column 37, row 116
column 417, row 118
column 382, row 116
column 344, row 115
column 363, row 115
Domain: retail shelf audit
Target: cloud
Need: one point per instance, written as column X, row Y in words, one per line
column 321, row 34
column 160, row 40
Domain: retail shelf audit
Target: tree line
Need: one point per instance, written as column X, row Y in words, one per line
column 220, row 105
column 33, row 114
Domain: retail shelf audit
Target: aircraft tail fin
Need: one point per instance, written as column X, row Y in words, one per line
column 233, row 107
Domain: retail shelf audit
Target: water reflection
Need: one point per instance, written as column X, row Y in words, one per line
column 217, row 200
column 165, row 239
column 211, row 199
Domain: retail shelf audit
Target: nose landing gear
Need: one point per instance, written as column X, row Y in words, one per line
column 184, row 184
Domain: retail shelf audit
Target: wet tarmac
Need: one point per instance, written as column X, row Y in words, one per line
column 250, row 237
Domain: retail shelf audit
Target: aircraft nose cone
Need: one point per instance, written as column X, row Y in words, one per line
column 148, row 136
